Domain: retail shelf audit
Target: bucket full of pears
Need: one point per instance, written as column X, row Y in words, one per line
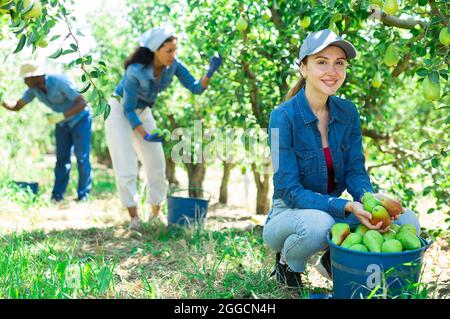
column 369, row 264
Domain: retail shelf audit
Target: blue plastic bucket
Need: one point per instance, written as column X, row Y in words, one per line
column 184, row 211
column 359, row 275
column 33, row 187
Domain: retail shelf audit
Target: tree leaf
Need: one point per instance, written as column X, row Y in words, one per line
column 107, row 111
column 53, row 38
column 85, row 88
column 21, row 44
column 56, row 54
column 428, row 142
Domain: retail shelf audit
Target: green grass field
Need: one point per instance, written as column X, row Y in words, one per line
column 87, row 251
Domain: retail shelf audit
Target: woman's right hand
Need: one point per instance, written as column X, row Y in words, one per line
column 364, row 216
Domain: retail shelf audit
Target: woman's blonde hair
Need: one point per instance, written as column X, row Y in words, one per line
column 298, row 85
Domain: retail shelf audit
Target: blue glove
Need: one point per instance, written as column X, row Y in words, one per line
column 214, row 64
column 157, row 137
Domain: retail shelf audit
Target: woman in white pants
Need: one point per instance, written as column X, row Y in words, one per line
column 148, row 71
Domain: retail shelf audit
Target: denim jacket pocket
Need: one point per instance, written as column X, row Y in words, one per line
column 306, row 161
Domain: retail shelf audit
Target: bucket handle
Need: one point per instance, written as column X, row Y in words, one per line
column 428, row 243
column 191, row 188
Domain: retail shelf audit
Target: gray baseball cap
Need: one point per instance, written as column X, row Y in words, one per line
column 317, row 41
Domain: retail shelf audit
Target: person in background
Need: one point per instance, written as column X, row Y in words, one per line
column 149, row 70
column 72, row 118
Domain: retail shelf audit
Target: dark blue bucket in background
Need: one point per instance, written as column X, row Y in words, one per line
column 358, row 275
column 184, row 211
column 33, row 187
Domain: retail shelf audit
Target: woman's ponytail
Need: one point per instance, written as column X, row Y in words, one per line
column 295, row 89
column 298, row 85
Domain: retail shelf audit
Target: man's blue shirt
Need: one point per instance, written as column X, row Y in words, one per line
column 60, row 97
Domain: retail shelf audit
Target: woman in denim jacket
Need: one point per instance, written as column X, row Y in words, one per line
column 316, row 150
column 148, row 71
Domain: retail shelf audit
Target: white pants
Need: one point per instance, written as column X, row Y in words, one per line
column 127, row 146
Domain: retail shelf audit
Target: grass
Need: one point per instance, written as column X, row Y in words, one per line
column 157, row 263
column 110, row 261
column 34, row 268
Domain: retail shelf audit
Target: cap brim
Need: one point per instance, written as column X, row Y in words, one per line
column 32, row 75
column 347, row 47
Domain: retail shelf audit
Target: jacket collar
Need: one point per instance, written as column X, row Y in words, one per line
column 306, row 114
column 150, row 74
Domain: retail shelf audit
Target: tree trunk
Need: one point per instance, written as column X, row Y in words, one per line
column 196, row 176
column 227, row 167
column 170, row 172
column 262, row 191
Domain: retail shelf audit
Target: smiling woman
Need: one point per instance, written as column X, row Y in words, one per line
column 319, row 155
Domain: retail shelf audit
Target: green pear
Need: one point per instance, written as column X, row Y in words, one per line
column 36, row 9
column 377, row 80
column 359, row 247
column 352, row 239
column 407, row 228
column 390, row 234
column 167, row 135
column 339, row 232
column 373, row 241
column 392, row 246
column 393, row 206
column 305, row 22
column 241, row 24
column 377, row 3
column 395, row 227
column 390, row 7
column 391, row 56
column 253, row 35
column 361, row 229
column 369, row 202
column 444, row 36
column 408, row 240
column 430, row 90
column 380, row 214
column 267, row 15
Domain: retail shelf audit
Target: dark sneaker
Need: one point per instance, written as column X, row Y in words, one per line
column 56, row 199
column 323, row 266
column 82, row 199
column 286, row 275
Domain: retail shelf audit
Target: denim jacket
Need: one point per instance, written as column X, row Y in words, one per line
column 139, row 89
column 300, row 170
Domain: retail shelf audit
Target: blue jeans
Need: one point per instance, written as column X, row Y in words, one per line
column 77, row 138
column 300, row 233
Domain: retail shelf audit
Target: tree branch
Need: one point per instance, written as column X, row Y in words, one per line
column 255, row 90
column 374, row 135
column 402, row 66
column 436, row 11
column 83, row 65
column 257, row 176
column 392, row 21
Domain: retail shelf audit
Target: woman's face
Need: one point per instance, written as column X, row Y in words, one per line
column 325, row 71
column 166, row 54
